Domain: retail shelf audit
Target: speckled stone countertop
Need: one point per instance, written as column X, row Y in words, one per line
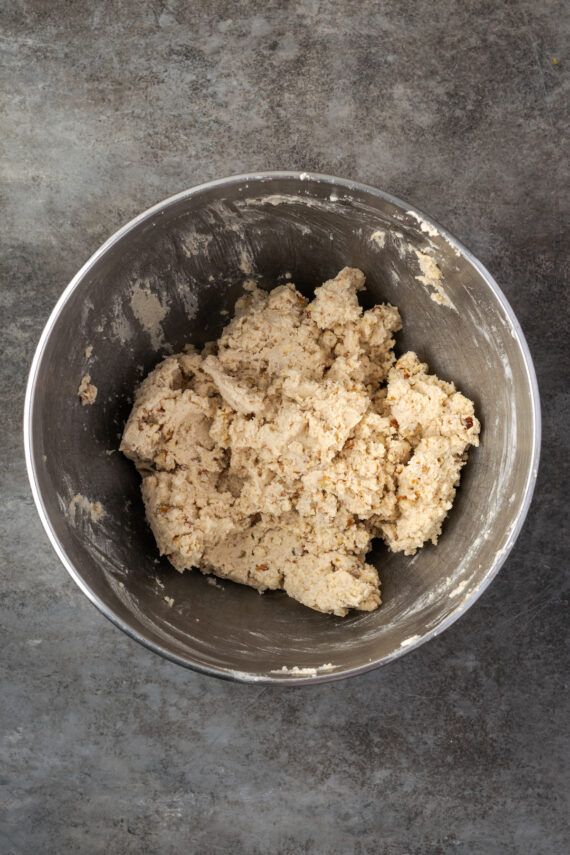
column 458, row 107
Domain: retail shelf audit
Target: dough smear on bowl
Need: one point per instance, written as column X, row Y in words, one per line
column 273, row 456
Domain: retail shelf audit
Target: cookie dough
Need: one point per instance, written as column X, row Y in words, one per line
column 273, row 456
column 87, row 391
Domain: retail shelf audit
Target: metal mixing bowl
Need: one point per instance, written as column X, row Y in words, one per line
column 172, row 276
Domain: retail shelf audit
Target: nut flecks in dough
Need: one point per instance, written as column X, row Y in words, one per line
column 275, row 455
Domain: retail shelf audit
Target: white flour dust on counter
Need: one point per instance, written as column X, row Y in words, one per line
column 274, row 455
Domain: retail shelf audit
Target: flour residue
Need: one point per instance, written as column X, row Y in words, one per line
column 303, row 672
column 121, row 327
column 150, row 313
column 187, row 295
column 245, row 262
column 280, row 199
column 424, row 226
column 400, row 243
column 379, row 238
column 193, row 243
column 459, row 589
column 431, row 276
column 94, row 510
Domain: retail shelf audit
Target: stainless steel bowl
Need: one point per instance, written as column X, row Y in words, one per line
column 171, row 276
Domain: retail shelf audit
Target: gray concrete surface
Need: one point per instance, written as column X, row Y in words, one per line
column 460, row 747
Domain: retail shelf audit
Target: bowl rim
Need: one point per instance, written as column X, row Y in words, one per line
column 289, row 679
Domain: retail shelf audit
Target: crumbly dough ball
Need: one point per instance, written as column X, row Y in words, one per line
column 274, row 456
column 87, row 391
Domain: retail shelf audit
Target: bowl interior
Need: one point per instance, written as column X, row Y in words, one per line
column 172, row 277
